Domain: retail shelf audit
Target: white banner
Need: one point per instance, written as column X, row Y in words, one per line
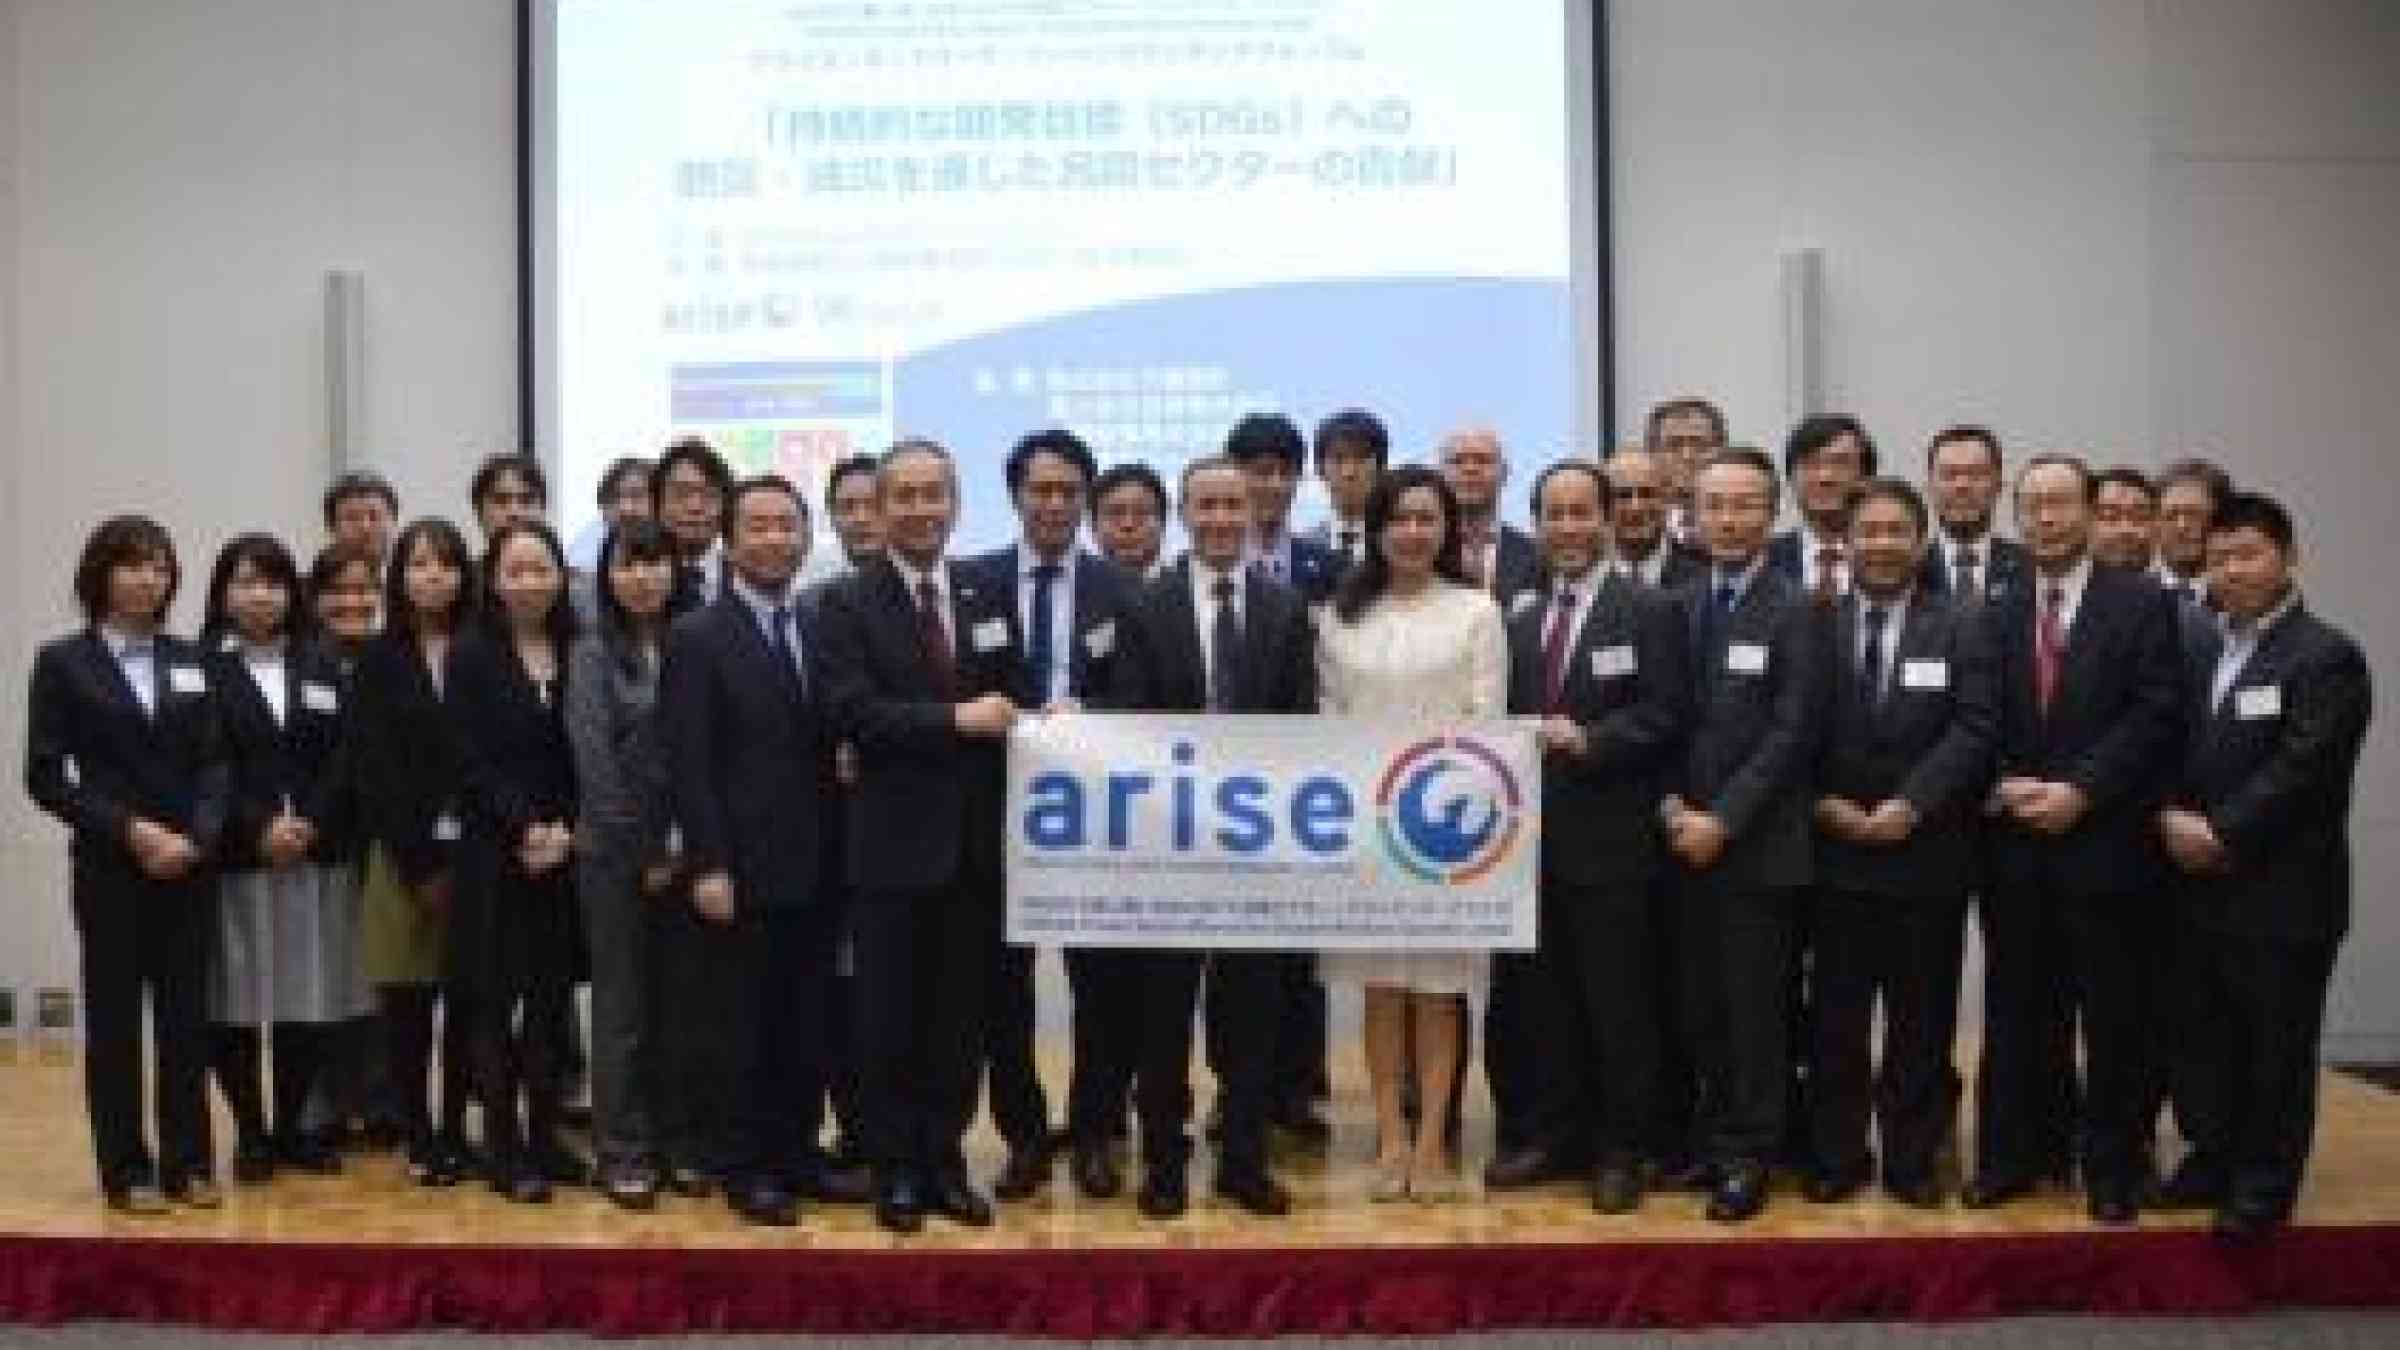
column 1282, row 833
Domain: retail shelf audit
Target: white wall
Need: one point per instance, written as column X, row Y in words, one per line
column 2126, row 226
column 2131, row 228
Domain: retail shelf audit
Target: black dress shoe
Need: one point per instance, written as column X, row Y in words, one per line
column 1258, row 1193
column 1617, row 1188
column 2198, row 1184
column 253, row 1163
column 692, row 1183
column 559, row 1164
column 142, row 1201
column 1916, row 1193
column 1023, row 1175
column 1301, row 1121
column 1993, row 1192
column 764, row 1204
column 837, row 1183
column 196, row 1193
column 1740, row 1194
column 629, row 1185
column 1095, row 1172
column 955, row 1200
column 523, row 1185
column 1522, row 1167
column 1685, row 1174
column 2115, row 1207
column 1833, row 1189
column 2245, row 1223
column 309, row 1153
column 1166, row 1193
column 900, row 1207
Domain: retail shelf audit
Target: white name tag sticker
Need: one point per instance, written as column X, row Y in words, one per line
column 68, row 771
column 320, row 698
column 187, row 680
column 991, row 635
column 1609, row 663
column 1746, row 658
column 445, row 829
column 1101, row 640
column 1525, row 600
column 674, row 841
column 2264, row 700
column 1924, row 674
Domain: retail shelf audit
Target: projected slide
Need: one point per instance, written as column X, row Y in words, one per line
column 800, row 227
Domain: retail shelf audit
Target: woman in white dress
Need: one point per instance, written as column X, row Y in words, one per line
column 1409, row 639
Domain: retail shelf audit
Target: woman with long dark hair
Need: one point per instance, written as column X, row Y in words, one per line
column 287, row 897
column 124, row 745
column 514, row 933
column 409, row 790
column 623, row 871
column 1410, row 637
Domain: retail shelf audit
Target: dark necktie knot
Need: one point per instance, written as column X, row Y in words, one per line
column 1045, row 574
column 1222, row 589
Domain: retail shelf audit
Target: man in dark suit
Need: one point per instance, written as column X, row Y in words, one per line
column 2277, row 703
column 1825, row 459
column 1499, row 557
column 1076, row 611
column 2189, row 491
column 742, row 705
column 2124, row 519
column 2088, row 686
column 1270, row 450
column 1736, row 816
column 688, row 489
column 1602, row 659
column 1221, row 637
column 1352, row 450
column 1900, row 782
column 920, row 654
column 1969, row 562
column 1640, row 545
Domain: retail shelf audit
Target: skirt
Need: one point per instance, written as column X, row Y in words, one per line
column 1428, row 972
column 403, row 939
column 288, row 947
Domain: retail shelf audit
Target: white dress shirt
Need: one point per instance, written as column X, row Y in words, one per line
column 1062, row 617
column 1810, row 547
column 2070, row 588
column 2241, row 643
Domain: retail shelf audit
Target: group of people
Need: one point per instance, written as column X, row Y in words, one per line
column 755, row 798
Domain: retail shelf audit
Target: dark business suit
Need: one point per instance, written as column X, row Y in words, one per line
column 1102, row 631
column 1516, row 563
column 1748, row 761
column 2003, row 570
column 1276, row 672
column 303, row 762
column 97, row 760
column 925, row 850
column 515, row 938
column 2077, row 898
column 1307, row 564
column 751, row 759
column 1677, row 1095
column 2273, row 774
column 1891, row 918
column 1582, row 1083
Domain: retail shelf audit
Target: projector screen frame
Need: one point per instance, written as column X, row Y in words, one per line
column 536, row 218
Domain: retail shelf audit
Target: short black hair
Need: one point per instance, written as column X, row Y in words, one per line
column 115, row 542
column 2125, row 475
column 1355, row 426
column 619, row 469
column 2091, row 485
column 1748, row 457
column 1819, row 430
column 266, row 553
column 360, row 483
column 1881, row 489
column 1132, row 473
column 754, row 484
column 488, row 475
column 449, row 545
column 1608, row 493
column 1266, row 436
column 1050, row 441
column 1964, row 431
column 2255, row 511
column 852, row 466
column 2202, row 471
column 693, row 451
column 1684, row 406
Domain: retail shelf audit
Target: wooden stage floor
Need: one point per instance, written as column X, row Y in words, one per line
column 47, row 1191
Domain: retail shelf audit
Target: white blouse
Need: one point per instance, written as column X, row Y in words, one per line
column 1439, row 654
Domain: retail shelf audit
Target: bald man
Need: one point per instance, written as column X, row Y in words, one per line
column 1500, row 558
column 1642, row 492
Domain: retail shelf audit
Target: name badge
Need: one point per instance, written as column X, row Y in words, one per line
column 445, row 829
column 2265, row 700
column 990, row 635
column 674, row 841
column 187, row 680
column 1746, row 658
column 70, row 772
column 1609, row 663
column 1525, row 600
column 1102, row 640
column 320, row 698
column 1924, row 674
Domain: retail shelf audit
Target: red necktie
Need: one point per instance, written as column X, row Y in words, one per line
column 936, row 636
column 2049, row 648
column 1828, row 587
column 1554, row 649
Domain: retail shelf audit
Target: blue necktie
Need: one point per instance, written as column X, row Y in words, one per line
column 1038, row 651
column 784, row 653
